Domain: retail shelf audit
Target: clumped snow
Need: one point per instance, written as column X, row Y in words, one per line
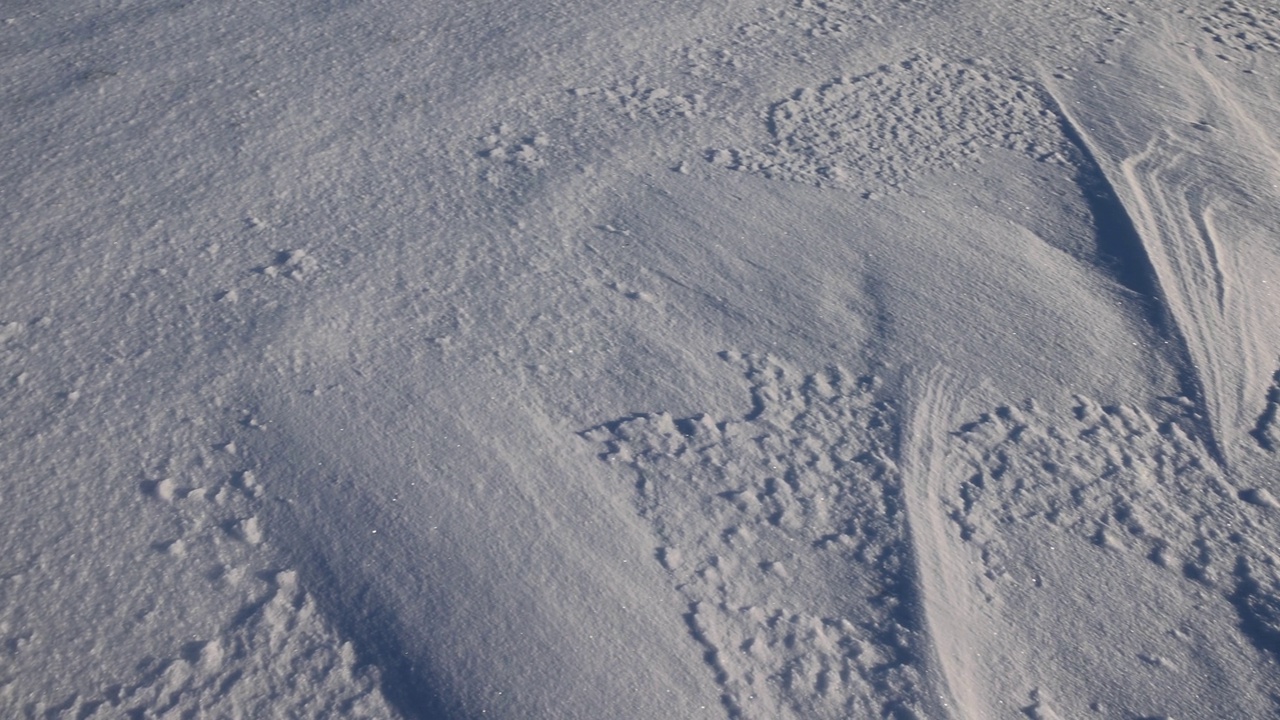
column 580, row 359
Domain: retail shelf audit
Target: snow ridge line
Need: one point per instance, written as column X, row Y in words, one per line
column 931, row 398
column 1179, row 238
column 1161, row 224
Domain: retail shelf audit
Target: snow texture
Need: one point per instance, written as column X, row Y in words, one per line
column 580, row 359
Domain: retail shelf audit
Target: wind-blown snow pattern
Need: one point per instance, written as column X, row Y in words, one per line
column 785, row 530
column 569, row 359
column 828, row 496
column 880, row 129
column 1130, row 484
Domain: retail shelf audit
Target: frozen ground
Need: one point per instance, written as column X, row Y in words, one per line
column 583, row 359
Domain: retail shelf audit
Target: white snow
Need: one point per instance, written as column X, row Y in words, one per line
column 581, row 359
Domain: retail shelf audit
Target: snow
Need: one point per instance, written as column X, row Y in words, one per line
column 573, row 359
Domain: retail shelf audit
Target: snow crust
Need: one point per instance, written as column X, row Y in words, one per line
column 582, row 359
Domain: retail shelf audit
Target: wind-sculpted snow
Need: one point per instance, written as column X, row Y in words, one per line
column 1130, row 483
column 279, row 658
column 269, row 650
column 785, row 530
column 805, row 545
column 1238, row 27
column 900, row 121
column 637, row 98
column 304, row 308
column 1267, row 430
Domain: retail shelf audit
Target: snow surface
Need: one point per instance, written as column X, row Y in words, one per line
column 583, row 359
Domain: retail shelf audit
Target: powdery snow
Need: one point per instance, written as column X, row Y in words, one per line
column 577, row 359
